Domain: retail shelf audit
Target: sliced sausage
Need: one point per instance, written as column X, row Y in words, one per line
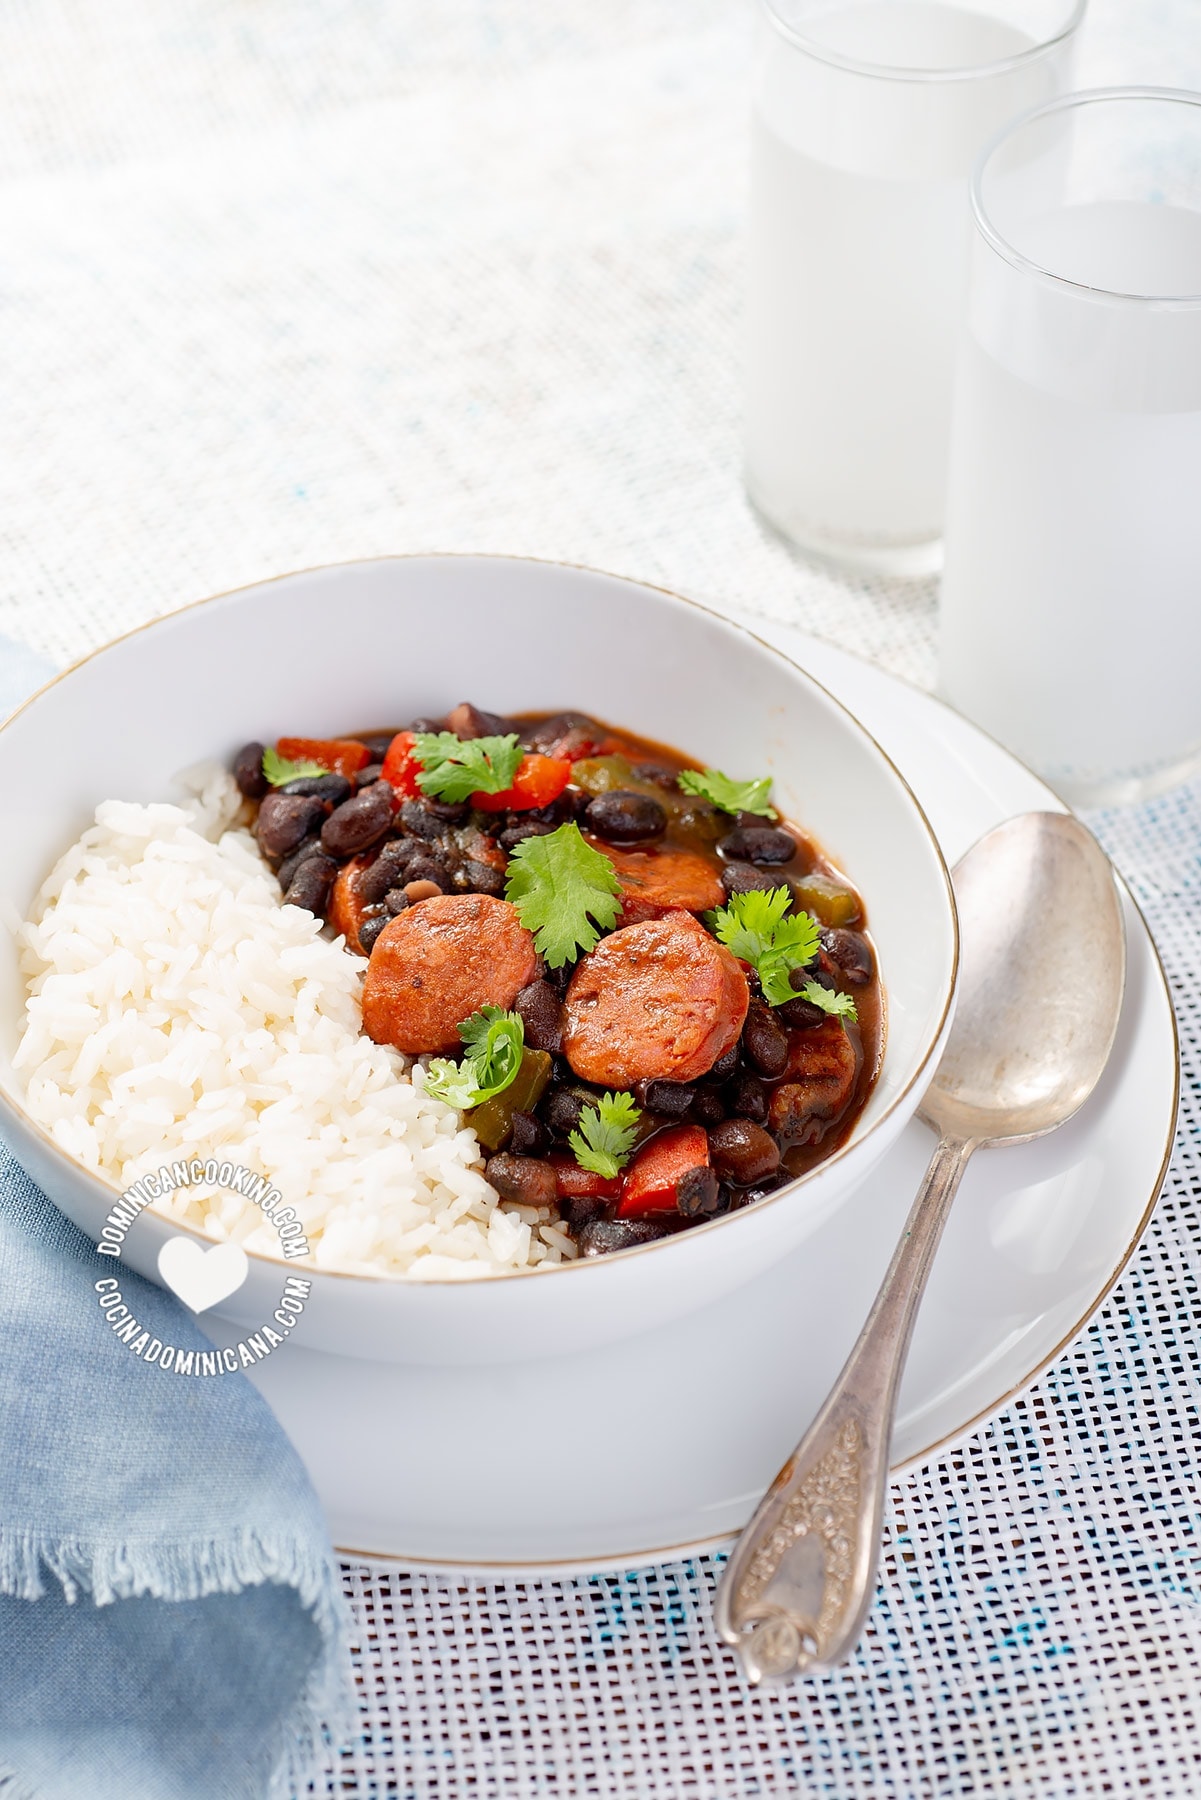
column 654, row 882
column 818, row 1082
column 440, row 961
column 659, row 1000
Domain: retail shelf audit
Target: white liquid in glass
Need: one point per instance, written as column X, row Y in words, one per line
column 1071, row 614
column 859, row 237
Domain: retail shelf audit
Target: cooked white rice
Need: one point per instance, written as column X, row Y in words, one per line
column 176, row 1008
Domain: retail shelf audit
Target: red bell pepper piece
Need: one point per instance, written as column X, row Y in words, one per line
column 538, row 781
column 341, row 756
column 575, row 1183
column 399, row 768
column 653, row 1176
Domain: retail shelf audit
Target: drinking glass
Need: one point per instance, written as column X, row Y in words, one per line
column 868, row 116
column 1071, row 610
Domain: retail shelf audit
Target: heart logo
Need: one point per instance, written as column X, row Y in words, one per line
column 202, row 1278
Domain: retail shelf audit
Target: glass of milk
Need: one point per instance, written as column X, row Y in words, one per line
column 868, row 117
column 1071, row 624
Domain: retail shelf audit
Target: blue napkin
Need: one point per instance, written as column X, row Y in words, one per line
column 171, row 1624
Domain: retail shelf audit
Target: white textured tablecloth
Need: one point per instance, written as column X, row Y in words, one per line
column 292, row 281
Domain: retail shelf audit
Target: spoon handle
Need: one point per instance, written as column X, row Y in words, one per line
column 799, row 1582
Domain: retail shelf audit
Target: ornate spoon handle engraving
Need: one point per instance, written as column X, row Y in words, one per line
column 800, row 1579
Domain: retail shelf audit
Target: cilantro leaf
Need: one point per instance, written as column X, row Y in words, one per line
column 839, row 1006
column 755, row 928
column 730, row 796
column 454, row 768
column 494, row 1043
column 278, row 769
column 452, row 1082
column 494, row 1040
column 606, row 1135
column 560, row 885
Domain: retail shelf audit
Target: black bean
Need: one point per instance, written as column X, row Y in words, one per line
column 331, row 787
column 284, row 819
column 424, row 868
column 800, row 978
column 517, row 834
column 698, row 1195
column 451, row 812
column 310, row 885
column 602, row 1236
column 370, row 929
column 521, row 1178
column 248, row 771
column 765, row 1040
column 382, row 874
column 851, row 953
column 561, row 1110
column 560, row 978
column 745, row 878
column 417, row 891
column 481, row 878
column 767, row 1186
column 529, row 1136
column 377, row 742
column 396, row 900
column 427, row 724
column 548, row 732
column 551, row 815
column 708, row 1107
column 762, row 845
column 358, row 822
column 541, row 1013
column 310, row 846
column 624, row 817
column 662, row 777
column 747, row 1099
column 467, row 721
column 743, row 1152
column 580, row 1210
column 802, row 1015
column 371, row 773
column 420, row 820
column 671, row 1098
column 725, row 1066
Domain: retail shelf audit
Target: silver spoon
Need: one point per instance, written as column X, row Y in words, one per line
column 1042, row 968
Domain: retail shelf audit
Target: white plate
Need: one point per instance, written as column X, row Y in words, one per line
column 662, row 1444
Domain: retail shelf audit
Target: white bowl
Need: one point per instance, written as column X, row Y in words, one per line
column 368, row 644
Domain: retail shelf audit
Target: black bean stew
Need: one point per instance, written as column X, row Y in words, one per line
column 663, row 1072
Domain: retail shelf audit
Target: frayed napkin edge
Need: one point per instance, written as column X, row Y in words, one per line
column 323, row 1714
